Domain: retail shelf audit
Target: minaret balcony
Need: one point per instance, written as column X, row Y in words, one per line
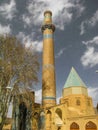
column 48, row 26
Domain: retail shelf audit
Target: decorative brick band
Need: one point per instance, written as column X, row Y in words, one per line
column 48, row 98
column 48, row 66
column 48, row 36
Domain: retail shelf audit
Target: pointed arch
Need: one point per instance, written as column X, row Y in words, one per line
column 58, row 117
column 48, row 115
column 22, row 116
column 74, row 126
column 90, row 126
column 48, row 119
column 59, row 112
column 48, row 112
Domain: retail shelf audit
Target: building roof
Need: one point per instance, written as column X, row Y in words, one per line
column 74, row 80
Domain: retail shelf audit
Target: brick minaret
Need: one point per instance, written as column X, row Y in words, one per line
column 48, row 71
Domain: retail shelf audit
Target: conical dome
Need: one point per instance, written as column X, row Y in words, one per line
column 74, row 79
column 74, row 84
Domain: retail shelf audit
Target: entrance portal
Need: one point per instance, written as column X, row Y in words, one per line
column 91, row 126
column 22, row 116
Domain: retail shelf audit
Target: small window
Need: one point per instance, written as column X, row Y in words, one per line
column 88, row 103
column 78, row 102
column 74, row 126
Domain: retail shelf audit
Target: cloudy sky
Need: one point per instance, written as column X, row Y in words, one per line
column 76, row 36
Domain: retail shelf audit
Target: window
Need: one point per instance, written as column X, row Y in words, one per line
column 59, row 112
column 91, row 125
column 78, row 102
column 74, row 126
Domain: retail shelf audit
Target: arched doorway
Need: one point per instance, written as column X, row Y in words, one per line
column 59, row 112
column 90, row 126
column 22, row 116
column 58, row 118
column 74, row 126
column 48, row 115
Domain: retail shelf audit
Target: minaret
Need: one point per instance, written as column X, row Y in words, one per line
column 48, row 69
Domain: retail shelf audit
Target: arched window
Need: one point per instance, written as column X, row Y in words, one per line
column 58, row 117
column 48, row 120
column 74, row 126
column 78, row 102
column 90, row 125
column 59, row 112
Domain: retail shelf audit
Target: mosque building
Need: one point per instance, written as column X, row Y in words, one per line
column 75, row 110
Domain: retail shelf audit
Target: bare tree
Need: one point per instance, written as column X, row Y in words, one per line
column 18, row 71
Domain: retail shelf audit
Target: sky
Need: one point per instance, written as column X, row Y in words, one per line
column 75, row 37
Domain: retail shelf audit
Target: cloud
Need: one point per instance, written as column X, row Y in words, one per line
column 82, row 28
column 94, row 20
column 90, row 56
column 60, row 52
column 38, row 46
column 5, row 29
column 92, row 42
column 8, row 10
column 58, row 100
column 26, row 20
column 27, row 40
column 93, row 92
column 62, row 11
column 38, row 96
column 89, row 23
column 21, row 36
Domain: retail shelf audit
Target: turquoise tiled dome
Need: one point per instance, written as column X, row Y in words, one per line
column 73, row 79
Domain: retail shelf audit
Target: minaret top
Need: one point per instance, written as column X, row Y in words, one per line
column 48, row 21
column 47, row 17
column 48, row 12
